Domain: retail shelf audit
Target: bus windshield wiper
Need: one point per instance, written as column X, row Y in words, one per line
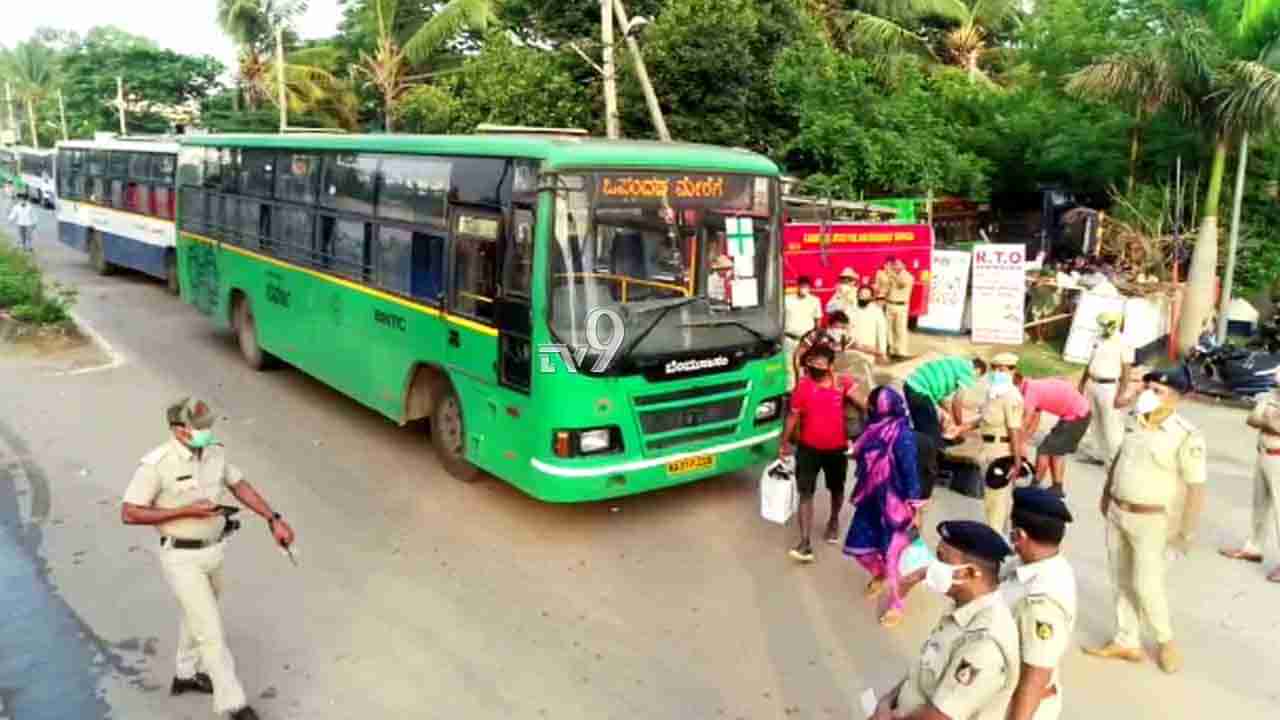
column 663, row 311
column 735, row 323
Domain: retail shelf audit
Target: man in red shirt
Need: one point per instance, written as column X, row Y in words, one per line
column 1062, row 399
column 816, row 424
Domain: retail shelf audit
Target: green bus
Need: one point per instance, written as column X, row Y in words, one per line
column 581, row 318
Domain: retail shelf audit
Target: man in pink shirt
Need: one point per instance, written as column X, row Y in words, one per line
column 1062, row 399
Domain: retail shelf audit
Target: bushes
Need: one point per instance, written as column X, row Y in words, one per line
column 23, row 294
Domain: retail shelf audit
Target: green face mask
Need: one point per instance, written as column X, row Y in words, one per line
column 201, row 439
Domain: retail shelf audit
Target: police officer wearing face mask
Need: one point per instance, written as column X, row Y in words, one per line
column 1160, row 449
column 968, row 667
column 176, row 489
column 1039, row 586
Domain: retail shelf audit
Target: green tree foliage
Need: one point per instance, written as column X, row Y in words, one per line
column 558, row 21
column 857, row 136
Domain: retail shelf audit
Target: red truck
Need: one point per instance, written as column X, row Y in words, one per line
column 820, row 252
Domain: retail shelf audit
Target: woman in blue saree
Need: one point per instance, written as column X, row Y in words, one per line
column 887, row 498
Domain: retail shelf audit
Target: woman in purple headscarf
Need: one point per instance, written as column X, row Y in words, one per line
column 887, row 497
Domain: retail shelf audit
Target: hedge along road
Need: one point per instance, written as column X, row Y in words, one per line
column 417, row 596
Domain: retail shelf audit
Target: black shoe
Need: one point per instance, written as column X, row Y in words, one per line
column 199, row 683
column 244, row 713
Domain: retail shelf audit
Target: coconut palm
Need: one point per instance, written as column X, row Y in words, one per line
column 967, row 26
column 32, row 67
column 453, row 19
column 387, row 67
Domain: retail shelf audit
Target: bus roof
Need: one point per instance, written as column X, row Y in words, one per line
column 136, row 145
column 559, row 153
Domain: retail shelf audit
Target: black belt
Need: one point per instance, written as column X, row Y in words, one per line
column 181, row 544
column 891, row 302
column 793, row 336
column 995, row 438
column 1102, row 381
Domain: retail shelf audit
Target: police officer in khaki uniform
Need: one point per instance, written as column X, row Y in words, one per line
column 869, row 338
column 1000, row 426
column 1104, row 381
column 897, row 305
column 1266, row 481
column 845, row 296
column 969, row 665
column 1160, row 449
column 1040, row 588
column 177, row 489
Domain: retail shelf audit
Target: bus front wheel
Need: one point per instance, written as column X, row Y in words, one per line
column 98, row 256
column 247, row 336
column 449, row 436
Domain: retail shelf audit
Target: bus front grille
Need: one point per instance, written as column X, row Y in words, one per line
column 691, row 393
column 669, row 442
column 689, row 417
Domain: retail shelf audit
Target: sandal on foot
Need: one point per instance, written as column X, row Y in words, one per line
column 874, row 588
column 1241, row 554
column 891, row 618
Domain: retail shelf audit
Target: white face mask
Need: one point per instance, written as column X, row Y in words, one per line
column 1147, row 403
column 941, row 576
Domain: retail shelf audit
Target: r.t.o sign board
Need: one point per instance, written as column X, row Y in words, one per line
column 999, row 294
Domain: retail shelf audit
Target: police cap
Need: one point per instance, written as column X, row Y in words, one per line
column 1042, row 502
column 1177, row 378
column 190, row 411
column 974, row 538
column 998, row 471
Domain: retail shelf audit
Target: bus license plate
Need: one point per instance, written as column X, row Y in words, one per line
column 693, row 464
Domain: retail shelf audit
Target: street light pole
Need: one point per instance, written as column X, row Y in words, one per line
column 31, row 119
column 120, row 104
column 642, row 74
column 62, row 114
column 13, row 122
column 1229, row 277
column 284, row 109
column 610, row 76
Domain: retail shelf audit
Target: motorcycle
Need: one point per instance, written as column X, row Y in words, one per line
column 1231, row 372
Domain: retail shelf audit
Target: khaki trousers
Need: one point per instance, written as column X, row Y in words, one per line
column 899, row 337
column 997, row 505
column 1108, row 422
column 1266, row 499
column 196, row 579
column 1136, row 544
column 789, row 347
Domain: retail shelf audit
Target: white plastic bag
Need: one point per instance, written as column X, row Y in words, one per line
column 778, row 496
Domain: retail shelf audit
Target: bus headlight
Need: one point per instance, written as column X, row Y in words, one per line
column 768, row 410
column 594, row 441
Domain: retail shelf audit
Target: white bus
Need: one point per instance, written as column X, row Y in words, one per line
column 37, row 174
column 116, row 203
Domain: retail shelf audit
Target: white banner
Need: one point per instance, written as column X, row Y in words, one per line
column 1084, row 326
column 948, row 289
column 999, row 294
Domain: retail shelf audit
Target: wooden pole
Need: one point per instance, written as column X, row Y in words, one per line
column 610, row 76
column 282, row 97
column 642, row 74
column 62, row 114
column 120, row 105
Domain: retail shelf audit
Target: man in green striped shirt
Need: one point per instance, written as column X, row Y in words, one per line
column 933, row 384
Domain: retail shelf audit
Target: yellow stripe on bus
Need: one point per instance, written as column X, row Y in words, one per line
column 424, row 309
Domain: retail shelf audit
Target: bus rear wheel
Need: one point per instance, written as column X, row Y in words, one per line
column 98, row 256
column 449, row 437
column 247, row 336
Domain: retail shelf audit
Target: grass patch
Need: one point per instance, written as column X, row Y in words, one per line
column 23, row 293
column 1044, row 359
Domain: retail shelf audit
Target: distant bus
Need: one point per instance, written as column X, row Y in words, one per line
column 9, row 174
column 117, row 203
column 35, row 167
column 547, row 301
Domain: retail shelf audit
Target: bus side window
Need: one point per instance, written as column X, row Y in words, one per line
column 409, row 263
column 517, row 266
column 475, row 245
column 340, row 246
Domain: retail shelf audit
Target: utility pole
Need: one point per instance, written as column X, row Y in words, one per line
column 120, row 104
column 642, row 74
column 62, row 114
column 610, row 74
column 1229, row 278
column 282, row 97
column 31, row 119
column 13, row 123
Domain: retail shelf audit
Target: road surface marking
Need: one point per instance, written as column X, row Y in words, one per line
column 116, row 358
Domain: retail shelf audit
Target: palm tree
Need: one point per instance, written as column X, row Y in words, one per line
column 450, row 21
column 309, row 87
column 387, row 66
column 32, row 67
column 1221, row 60
column 899, row 26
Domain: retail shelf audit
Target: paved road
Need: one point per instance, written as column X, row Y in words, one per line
column 421, row 597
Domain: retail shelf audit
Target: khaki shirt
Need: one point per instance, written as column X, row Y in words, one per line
column 870, row 328
column 1042, row 597
column 969, row 665
column 1002, row 414
column 900, row 287
column 1153, row 459
column 844, row 299
column 883, row 282
column 1109, row 357
column 1267, row 412
column 171, row 476
column 801, row 314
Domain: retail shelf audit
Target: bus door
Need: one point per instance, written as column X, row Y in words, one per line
column 514, row 320
column 471, row 336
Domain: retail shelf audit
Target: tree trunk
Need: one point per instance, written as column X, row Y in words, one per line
column 1197, row 298
column 388, row 106
column 1135, row 147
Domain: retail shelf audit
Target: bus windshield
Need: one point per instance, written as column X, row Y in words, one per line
column 678, row 263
